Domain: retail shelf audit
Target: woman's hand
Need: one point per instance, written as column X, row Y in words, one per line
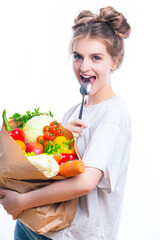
column 75, row 127
column 11, row 202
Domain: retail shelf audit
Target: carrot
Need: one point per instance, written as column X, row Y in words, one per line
column 71, row 168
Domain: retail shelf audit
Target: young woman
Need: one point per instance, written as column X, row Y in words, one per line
column 103, row 137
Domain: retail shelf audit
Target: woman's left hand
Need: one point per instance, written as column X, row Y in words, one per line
column 11, row 203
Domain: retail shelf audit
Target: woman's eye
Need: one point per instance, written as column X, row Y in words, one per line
column 77, row 57
column 96, row 58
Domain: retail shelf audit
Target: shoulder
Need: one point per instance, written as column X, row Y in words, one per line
column 116, row 112
column 69, row 112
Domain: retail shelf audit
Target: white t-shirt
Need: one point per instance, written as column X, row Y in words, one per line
column 104, row 144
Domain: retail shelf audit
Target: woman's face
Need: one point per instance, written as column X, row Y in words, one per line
column 92, row 62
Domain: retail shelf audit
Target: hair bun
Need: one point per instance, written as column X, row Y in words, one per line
column 82, row 18
column 116, row 20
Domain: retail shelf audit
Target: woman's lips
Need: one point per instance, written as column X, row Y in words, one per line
column 90, row 78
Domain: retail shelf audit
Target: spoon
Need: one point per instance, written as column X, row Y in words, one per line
column 84, row 90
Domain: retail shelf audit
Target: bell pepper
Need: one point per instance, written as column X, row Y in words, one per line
column 17, row 133
column 67, row 157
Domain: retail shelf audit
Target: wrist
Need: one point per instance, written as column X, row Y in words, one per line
column 23, row 201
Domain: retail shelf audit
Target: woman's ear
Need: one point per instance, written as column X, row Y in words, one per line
column 114, row 63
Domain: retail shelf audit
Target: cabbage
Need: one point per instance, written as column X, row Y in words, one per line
column 34, row 127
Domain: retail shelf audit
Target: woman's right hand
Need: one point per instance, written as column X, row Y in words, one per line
column 75, row 127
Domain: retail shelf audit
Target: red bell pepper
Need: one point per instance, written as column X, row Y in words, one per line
column 67, row 157
column 17, row 133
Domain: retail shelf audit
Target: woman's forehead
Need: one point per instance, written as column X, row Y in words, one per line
column 88, row 44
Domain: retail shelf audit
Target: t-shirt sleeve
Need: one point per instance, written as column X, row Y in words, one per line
column 104, row 152
column 68, row 114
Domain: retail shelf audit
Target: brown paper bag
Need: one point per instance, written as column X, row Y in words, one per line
column 18, row 174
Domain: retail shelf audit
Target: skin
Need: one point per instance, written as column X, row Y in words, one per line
column 90, row 58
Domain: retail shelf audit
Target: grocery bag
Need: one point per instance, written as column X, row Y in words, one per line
column 18, row 174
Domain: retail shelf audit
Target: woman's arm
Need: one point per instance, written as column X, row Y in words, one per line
column 61, row 190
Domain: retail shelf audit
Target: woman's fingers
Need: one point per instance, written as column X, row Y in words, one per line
column 75, row 127
column 79, row 123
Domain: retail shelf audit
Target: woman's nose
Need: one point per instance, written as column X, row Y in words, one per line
column 85, row 66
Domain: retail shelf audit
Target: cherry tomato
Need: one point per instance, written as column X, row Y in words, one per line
column 55, row 123
column 53, row 129
column 59, row 132
column 46, row 128
column 45, row 142
column 40, row 139
column 48, row 135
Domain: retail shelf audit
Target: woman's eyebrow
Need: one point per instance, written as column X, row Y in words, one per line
column 97, row 54
column 77, row 53
column 92, row 54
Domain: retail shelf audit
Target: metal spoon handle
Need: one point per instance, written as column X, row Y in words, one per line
column 81, row 109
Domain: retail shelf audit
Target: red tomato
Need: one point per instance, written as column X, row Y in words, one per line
column 46, row 128
column 48, row 135
column 59, row 132
column 55, row 123
column 40, row 139
column 53, row 129
column 51, row 143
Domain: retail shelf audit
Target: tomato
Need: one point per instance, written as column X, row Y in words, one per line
column 48, row 135
column 45, row 142
column 46, row 128
column 40, row 139
column 53, row 129
column 60, row 139
column 21, row 145
column 55, row 123
column 59, row 132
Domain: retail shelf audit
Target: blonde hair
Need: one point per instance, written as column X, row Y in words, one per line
column 107, row 25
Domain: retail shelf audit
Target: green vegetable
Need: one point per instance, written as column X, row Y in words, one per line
column 29, row 153
column 24, row 118
column 68, row 144
column 52, row 148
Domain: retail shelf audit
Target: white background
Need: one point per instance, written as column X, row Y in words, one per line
column 36, row 71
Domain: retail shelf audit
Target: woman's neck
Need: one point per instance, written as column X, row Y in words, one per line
column 100, row 96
